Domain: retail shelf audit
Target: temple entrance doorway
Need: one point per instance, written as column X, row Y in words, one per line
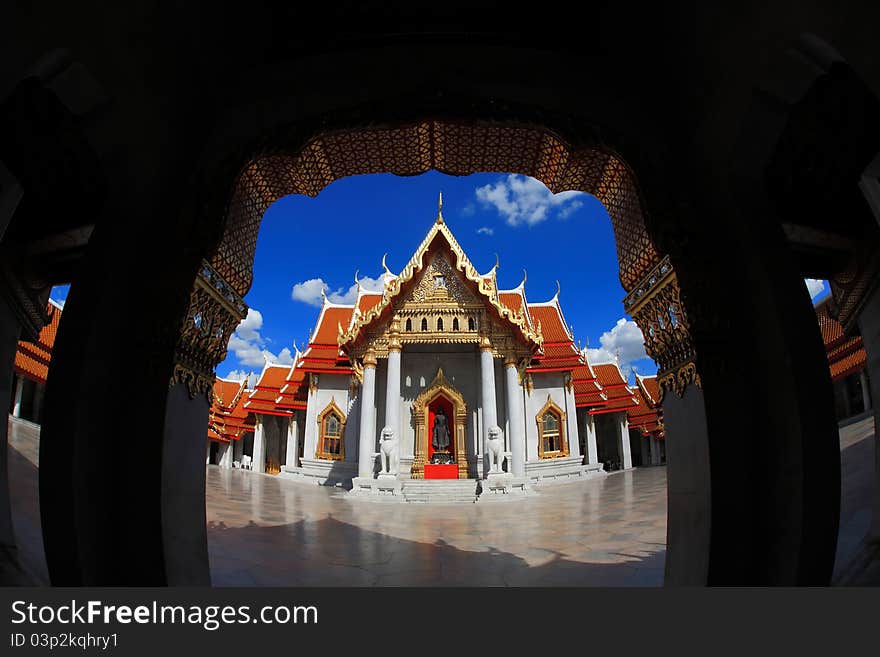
column 441, row 446
column 440, row 414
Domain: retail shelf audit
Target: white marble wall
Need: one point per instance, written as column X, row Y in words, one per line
column 332, row 387
column 461, row 367
column 553, row 384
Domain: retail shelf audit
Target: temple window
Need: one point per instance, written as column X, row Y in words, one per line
column 331, row 427
column 424, row 324
column 471, row 324
column 408, row 325
column 455, row 323
column 439, row 323
column 551, row 431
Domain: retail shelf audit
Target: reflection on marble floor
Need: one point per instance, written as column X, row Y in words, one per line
column 268, row 531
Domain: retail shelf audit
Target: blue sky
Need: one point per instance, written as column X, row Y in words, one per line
column 306, row 244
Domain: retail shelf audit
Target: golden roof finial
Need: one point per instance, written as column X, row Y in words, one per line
column 440, row 209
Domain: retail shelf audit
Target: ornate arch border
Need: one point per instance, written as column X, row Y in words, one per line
column 439, row 387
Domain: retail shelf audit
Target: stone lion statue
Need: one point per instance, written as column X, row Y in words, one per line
column 495, row 448
column 388, row 451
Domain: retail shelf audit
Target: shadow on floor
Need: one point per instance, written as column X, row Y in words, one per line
column 328, row 552
column 25, row 566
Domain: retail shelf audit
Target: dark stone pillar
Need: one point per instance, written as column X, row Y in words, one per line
column 869, row 326
column 689, row 495
column 10, row 330
column 773, row 510
column 184, row 532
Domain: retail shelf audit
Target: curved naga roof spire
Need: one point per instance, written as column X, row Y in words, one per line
column 440, row 209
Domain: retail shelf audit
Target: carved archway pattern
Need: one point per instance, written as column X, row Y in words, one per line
column 459, row 149
column 450, row 147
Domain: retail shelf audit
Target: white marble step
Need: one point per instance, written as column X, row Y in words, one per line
column 440, row 491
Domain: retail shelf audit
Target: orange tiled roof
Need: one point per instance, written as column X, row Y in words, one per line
column 846, row 354
column 652, row 387
column 327, row 331
column 647, row 417
column 295, row 391
column 268, row 390
column 552, row 327
column 367, row 301
column 513, row 300
column 614, row 388
column 32, row 358
column 850, row 364
column 608, row 374
column 228, row 419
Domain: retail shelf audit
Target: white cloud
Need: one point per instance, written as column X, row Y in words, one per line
column 249, row 346
column 815, row 286
column 249, row 327
column 626, row 339
column 284, row 357
column 240, row 375
column 485, row 230
column 524, row 200
column 310, row 291
column 468, row 210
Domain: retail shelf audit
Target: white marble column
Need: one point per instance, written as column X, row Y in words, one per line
column 237, row 450
column 225, row 455
column 655, row 450
column 19, row 389
column 592, row 450
column 574, row 445
column 625, row 456
column 516, row 416
column 259, row 457
column 392, row 387
column 487, row 392
column 367, row 434
column 866, row 390
column 292, row 442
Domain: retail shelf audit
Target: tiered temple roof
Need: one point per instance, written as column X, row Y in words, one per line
column 266, row 397
column 846, row 354
column 600, row 388
column 647, row 417
column 228, row 419
column 32, row 358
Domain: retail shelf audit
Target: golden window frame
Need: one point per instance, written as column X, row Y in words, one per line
column 551, row 407
column 320, row 451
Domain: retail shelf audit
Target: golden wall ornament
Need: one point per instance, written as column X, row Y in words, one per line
column 439, row 387
column 438, row 309
column 214, row 312
column 656, row 307
column 442, row 283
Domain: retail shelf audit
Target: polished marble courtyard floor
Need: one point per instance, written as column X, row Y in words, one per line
column 268, row 531
column 265, row 530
